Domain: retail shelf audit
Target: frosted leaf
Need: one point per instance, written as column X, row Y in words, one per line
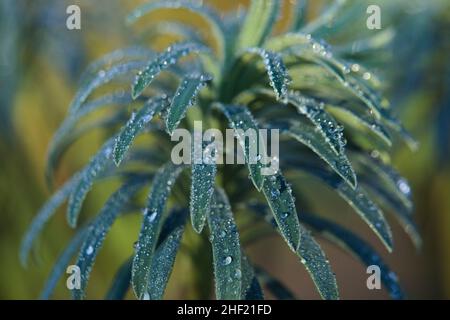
column 283, row 208
column 306, row 134
column 136, row 124
column 242, row 120
column 162, row 61
column 163, row 182
column 276, row 70
column 226, row 250
column 184, row 98
column 98, row 229
column 94, row 168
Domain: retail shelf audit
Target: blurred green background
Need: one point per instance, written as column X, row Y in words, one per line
column 40, row 64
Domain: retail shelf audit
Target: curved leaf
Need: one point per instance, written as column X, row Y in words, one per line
column 184, row 98
column 100, row 79
column 278, row 76
column 200, row 9
column 300, row 11
column 358, row 247
column 250, row 288
column 324, row 122
column 241, row 120
column 135, row 125
column 164, row 257
column 307, row 135
column 98, row 229
column 59, row 268
column 281, row 201
column 325, row 18
column 162, row 61
column 258, row 24
column 226, row 248
column 96, row 167
column 44, row 214
column 311, row 256
column 106, row 61
column 274, row 286
column 160, row 191
column 121, row 282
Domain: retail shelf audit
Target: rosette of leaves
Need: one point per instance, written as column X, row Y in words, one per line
column 335, row 126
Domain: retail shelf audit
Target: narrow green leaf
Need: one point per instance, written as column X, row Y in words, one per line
column 311, row 256
column 306, row 134
column 400, row 212
column 121, row 282
column 98, row 229
column 226, row 248
column 358, row 247
column 164, row 257
column 351, row 115
column 100, row 79
column 162, row 61
column 106, row 61
column 316, row 263
column 245, row 126
column 203, row 175
column 281, row 201
column 160, row 191
column 299, row 11
column 278, row 76
column 395, row 183
column 368, row 211
column 96, row 167
column 324, row 122
column 136, row 124
column 259, row 22
column 43, row 215
column 251, row 289
column 184, row 98
column 200, row 9
column 59, row 268
column 324, row 19
column 356, row 198
column 66, row 133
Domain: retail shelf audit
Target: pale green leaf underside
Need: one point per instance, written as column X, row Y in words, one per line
column 226, row 248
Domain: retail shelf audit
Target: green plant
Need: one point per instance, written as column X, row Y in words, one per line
column 246, row 77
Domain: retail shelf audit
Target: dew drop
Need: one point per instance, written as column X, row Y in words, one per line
column 89, row 250
column 227, row 260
